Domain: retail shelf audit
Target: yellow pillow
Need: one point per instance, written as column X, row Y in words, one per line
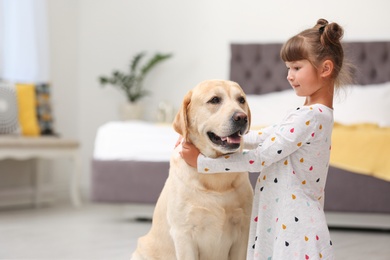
column 27, row 109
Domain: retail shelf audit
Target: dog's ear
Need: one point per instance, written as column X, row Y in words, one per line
column 180, row 123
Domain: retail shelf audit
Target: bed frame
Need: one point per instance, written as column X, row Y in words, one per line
column 259, row 70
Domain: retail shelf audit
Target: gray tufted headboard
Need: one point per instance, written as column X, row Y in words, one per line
column 259, row 69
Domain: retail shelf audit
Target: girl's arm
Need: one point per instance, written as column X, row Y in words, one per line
column 295, row 132
column 250, row 160
column 229, row 162
column 255, row 137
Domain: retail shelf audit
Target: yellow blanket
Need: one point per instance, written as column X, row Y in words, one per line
column 363, row 148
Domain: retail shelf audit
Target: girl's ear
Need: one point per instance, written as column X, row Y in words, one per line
column 327, row 68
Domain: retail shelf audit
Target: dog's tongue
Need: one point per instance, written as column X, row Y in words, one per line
column 233, row 139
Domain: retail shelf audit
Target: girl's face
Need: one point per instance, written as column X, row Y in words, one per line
column 303, row 77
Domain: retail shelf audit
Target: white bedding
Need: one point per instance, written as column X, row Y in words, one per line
column 134, row 140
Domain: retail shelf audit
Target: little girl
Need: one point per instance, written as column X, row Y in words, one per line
column 288, row 220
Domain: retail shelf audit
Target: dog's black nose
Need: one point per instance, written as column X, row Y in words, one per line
column 240, row 118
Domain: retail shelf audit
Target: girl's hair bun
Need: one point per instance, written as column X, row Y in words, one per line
column 331, row 33
column 322, row 22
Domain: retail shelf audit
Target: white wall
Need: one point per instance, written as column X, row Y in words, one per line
column 91, row 38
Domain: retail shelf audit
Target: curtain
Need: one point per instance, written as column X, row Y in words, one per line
column 24, row 46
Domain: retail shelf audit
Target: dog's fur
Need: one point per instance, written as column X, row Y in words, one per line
column 204, row 216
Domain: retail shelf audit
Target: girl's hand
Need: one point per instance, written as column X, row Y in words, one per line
column 190, row 154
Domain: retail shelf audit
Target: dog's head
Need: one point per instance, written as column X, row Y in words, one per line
column 214, row 116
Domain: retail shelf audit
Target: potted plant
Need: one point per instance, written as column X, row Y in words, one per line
column 131, row 83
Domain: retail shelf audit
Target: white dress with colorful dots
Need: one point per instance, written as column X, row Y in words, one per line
column 288, row 220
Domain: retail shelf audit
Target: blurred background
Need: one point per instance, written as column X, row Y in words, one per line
column 84, row 39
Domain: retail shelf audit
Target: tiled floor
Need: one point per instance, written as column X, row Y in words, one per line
column 101, row 231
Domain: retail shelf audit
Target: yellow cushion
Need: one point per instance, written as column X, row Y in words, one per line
column 27, row 109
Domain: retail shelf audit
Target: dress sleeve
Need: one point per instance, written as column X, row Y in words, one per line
column 255, row 137
column 297, row 130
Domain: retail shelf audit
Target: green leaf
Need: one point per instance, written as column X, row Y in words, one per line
column 131, row 83
column 136, row 60
column 157, row 58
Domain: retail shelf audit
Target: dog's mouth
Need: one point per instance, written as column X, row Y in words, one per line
column 230, row 142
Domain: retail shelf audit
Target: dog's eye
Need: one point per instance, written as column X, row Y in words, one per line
column 241, row 100
column 214, row 100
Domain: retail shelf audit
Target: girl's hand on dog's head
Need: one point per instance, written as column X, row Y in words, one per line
column 190, row 154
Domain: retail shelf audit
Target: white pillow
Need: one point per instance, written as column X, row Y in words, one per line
column 269, row 109
column 364, row 104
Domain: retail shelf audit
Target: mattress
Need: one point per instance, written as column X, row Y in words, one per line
column 134, row 140
column 131, row 164
column 131, row 161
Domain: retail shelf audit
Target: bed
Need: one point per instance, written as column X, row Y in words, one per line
column 259, row 70
column 124, row 171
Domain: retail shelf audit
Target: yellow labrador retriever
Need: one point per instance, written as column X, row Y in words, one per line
column 204, row 216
